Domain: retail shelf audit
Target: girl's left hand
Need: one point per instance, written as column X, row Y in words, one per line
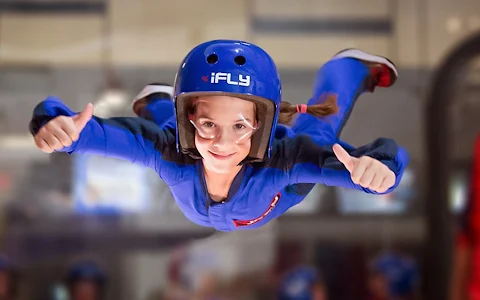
column 366, row 171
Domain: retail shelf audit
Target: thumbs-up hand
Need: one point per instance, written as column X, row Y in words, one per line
column 62, row 131
column 366, row 171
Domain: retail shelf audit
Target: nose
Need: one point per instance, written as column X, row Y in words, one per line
column 223, row 140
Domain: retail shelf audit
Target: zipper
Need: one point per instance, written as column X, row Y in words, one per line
column 273, row 204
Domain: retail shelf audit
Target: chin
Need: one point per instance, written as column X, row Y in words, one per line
column 220, row 167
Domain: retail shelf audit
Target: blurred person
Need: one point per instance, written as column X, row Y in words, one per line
column 177, row 284
column 293, row 279
column 246, row 286
column 208, row 287
column 465, row 283
column 393, row 277
column 302, row 283
column 86, row 280
column 9, row 279
column 226, row 144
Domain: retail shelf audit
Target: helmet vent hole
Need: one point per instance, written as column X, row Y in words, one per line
column 240, row 60
column 212, row 58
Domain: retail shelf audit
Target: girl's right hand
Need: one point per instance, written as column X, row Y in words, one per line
column 62, row 131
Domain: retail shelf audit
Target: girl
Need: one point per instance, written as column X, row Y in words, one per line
column 227, row 164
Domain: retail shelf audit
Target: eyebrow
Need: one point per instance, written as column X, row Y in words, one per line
column 239, row 120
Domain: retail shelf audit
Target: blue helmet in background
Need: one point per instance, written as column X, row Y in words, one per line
column 234, row 68
column 86, row 270
column 400, row 271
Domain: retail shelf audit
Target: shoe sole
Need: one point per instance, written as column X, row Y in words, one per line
column 359, row 54
column 150, row 89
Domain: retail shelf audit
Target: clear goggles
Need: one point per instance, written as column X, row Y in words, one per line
column 237, row 132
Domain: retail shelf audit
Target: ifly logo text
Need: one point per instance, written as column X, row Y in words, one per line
column 230, row 79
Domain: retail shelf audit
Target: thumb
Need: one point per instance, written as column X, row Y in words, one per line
column 80, row 120
column 343, row 156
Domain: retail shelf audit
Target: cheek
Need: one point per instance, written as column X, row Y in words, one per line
column 202, row 145
column 244, row 148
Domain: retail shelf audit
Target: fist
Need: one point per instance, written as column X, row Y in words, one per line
column 62, row 131
column 366, row 171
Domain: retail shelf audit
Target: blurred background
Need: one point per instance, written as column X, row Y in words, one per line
column 126, row 239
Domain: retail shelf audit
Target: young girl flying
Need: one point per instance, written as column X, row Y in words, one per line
column 344, row 78
column 227, row 163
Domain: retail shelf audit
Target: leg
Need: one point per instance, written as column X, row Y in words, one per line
column 349, row 74
column 155, row 103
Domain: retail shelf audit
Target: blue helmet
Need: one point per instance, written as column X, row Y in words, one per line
column 401, row 273
column 235, row 68
column 86, row 270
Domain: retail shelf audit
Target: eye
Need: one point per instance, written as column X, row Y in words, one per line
column 208, row 124
column 239, row 126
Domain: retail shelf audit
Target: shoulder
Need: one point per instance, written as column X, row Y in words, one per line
column 301, row 148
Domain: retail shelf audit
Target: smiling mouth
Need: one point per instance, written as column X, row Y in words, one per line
column 221, row 156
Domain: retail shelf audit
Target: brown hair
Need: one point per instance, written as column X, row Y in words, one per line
column 327, row 107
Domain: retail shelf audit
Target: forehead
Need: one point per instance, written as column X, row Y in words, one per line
column 224, row 105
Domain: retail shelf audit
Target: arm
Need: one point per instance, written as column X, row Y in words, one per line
column 307, row 162
column 132, row 139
